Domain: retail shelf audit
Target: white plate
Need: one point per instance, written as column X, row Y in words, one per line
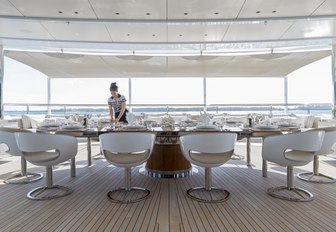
column 207, row 127
column 287, row 125
column 50, row 125
column 134, row 127
column 264, row 127
column 72, row 127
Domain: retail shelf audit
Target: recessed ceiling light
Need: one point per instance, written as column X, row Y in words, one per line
column 185, row 13
column 205, row 34
column 274, row 11
column 147, row 13
column 26, row 31
column 128, row 34
column 117, row 13
column 180, row 34
column 216, row 13
column 258, row 12
column 60, row 12
column 153, row 35
column 76, row 12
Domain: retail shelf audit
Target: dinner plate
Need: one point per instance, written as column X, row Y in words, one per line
column 287, row 125
column 265, row 127
column 134, row 127
column 50, row 125
column 72, row 127
column 207, row 127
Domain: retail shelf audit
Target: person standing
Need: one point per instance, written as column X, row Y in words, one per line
column 117, row 105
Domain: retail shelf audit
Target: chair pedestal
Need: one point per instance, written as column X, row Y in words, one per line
column 316, row 176
column 208, row 194
column 24, row 177
column 49, row 191
column 290, row 192
column 128, row 194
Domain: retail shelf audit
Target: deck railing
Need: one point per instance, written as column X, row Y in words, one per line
column 12, row 109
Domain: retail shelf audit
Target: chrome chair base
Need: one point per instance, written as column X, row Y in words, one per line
column 237, row 157
column 46, row 193
column 214, row 195
column 24, row 179
column 319, row 178
column 128, row 196
column 291, row 194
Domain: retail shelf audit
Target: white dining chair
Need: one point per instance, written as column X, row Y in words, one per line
column 7, row 137
column 208, row 150
column 127, row 150
column 296, row 149
column 326, row 148
column 47, row 150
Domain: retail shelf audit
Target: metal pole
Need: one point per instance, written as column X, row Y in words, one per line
column 49, row 94
column 130, row 93
column 333, row 75
column 204, row 94
column 286, row 94
column 2, row 73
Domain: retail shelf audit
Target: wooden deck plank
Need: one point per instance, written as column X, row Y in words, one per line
column 168, row 208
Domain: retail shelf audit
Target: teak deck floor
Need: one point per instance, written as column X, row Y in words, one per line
column 249, row 208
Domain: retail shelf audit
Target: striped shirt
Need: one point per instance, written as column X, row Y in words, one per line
column 116, row 104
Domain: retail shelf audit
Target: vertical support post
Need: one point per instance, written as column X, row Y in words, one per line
column 2, row 74
column 316, row 163
column 89, row 151
column 128, row 179
column 208, row 179
column 333, row 76
column 49, row 177
column 286, row 94
column 290, row 175
column 204, row 95
column 23, row 166
column 130, row 93
column 49, row 94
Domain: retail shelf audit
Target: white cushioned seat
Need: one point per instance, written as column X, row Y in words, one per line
column 208, row 150
column 7, row 137
column 127, row 150
column 327, row 147
column 296, row 149
column 47, row 150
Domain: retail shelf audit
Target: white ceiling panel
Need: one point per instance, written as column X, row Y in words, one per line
column 78, row 31
column 8, row 9
column 196, row 32
column 279, row 8
column 129, row 32
column 311, row 29
column 191, row 9
column 130, row 9
column 55, row 8
column 256, row 32
column 327, row 8
column 27, row 30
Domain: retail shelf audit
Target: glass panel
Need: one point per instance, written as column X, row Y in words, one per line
column 167, row 91
column 245, row 90
column 85, row 90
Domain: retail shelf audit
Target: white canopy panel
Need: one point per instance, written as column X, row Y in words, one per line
column 57, row 65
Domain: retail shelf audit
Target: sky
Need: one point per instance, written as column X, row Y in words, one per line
column 310, row 84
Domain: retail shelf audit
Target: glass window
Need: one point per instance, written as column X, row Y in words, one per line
column 85, row 90
column 245, row 90
column 167, row 90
